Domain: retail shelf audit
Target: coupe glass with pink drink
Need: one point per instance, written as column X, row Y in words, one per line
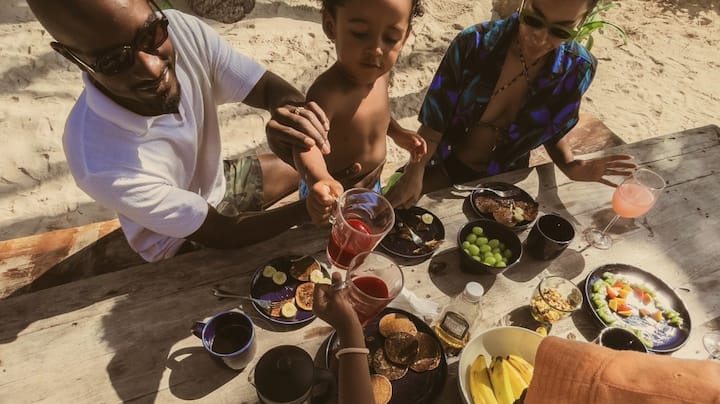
column 633, row 198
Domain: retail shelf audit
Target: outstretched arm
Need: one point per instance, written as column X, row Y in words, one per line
column 595, row 169
column 408, row 140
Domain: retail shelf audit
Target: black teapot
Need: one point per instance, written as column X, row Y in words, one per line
column 286, row 374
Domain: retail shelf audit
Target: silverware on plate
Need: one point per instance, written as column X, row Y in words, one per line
column 503, row 194
column 266, row 305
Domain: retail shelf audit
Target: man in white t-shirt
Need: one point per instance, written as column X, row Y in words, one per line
column 143, row 137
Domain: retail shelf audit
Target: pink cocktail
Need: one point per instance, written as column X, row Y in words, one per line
column 360, row 220
column 633, row 198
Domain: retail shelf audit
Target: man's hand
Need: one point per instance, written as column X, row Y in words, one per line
column 406, row 191
column 321, row 199
column 596, row 169
column 297, row 125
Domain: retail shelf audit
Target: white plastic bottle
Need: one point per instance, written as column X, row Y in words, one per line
column 457, row 318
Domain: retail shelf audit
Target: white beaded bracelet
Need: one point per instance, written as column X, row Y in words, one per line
column 344, row 351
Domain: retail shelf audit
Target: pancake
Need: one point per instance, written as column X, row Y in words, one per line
column 301, row 269
column 384, row 367
column 393, row 323
column 428, row 356
column 304, row 295
column 382, row 389
column 401, row 348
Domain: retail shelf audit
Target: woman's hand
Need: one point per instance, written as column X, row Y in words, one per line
column 321, row 198
column 332, row 306
column 596, row 169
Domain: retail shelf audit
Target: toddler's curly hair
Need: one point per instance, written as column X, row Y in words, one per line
column 332, row 5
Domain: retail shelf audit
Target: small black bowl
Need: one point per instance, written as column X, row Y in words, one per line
column 402, row 248
column 491, row 230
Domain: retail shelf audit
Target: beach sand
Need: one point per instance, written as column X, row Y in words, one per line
column 665, row 79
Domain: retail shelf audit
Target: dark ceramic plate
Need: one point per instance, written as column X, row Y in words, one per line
column 396, row 242
column 663, row 336
column 262, row 287
column 414, row 387
column 518, row 194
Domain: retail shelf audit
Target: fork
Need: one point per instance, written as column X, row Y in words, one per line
column 415, row 238
column 480, row 188
column 267, row 305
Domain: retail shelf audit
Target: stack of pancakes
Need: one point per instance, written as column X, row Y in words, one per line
column 404, row 347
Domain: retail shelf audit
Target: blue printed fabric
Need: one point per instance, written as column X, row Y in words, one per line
column 461, row 89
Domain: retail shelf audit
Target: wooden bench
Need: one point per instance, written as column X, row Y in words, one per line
column 49, row 259
column 589, row 135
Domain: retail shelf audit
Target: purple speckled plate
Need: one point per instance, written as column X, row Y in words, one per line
column 264, row 288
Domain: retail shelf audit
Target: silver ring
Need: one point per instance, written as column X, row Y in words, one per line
column 298, row 110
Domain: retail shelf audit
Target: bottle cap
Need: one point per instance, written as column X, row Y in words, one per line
column 474, row 291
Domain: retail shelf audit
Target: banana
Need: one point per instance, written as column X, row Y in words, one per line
column 517, row 384
column 479, row 381
column 522, row 366
column 501, row 382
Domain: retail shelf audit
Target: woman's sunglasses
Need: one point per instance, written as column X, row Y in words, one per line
column 119, row 59
column 533, row 20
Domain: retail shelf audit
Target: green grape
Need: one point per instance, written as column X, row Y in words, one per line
column 500, row 264
column 507, row 253
column 476, row 258
column 498, row 257
column 465, row 245
column 467, row 251
column 496, row 250
column 489, row 261
column 501, row 246
column 471, row 238
column 494, row 242
column 474, row 250
column 487, row 254
column 481, row 241
column 485, row 248
column 477, row 230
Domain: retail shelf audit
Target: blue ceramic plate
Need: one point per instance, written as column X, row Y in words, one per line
column 661, row 334
column 398, row 243
column 414, row 387
column 262, row 287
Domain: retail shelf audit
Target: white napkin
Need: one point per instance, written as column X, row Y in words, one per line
column 407, row 300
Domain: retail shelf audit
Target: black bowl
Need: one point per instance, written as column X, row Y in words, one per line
column 518, row 195
column 491, row 230
column 400, row 247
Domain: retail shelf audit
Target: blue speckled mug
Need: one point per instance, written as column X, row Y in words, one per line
column 228, row 336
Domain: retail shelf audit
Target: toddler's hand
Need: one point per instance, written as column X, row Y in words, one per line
column 321, row 199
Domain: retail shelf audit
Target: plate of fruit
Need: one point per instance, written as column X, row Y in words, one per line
column 625, row 296
column 288, row 282
column 418, row 222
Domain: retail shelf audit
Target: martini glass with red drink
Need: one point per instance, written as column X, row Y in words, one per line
column 361, row 218
column 632, row 198
column 373, row 280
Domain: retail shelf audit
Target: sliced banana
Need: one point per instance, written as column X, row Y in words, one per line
column 269, row 271
column 316, row 275
column 325, row 281
column 288, row 310
column 426, row 218
column 279, row 278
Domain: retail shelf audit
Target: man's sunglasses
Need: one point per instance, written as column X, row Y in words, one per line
column 533, row 20
column 119, row 59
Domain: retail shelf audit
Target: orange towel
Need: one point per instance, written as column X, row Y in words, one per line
column 578, row 372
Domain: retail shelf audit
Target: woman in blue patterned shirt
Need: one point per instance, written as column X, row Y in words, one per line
column 503, row 88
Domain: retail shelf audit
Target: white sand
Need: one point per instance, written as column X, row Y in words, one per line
column 666, row 79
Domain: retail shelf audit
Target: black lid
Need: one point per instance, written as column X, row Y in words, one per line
column 284, row 373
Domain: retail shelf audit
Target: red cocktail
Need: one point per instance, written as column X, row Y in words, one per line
column 361, row 219
column 373, row 281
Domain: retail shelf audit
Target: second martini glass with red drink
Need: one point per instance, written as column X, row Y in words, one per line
column 361, row 218
column 632, row 198
column 373, row 280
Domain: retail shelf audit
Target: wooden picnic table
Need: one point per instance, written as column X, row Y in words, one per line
column 125, row 336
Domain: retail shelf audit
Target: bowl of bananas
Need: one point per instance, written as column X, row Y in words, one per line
column 497, row 365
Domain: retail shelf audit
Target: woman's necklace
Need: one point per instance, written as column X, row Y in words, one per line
column 524, row 72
